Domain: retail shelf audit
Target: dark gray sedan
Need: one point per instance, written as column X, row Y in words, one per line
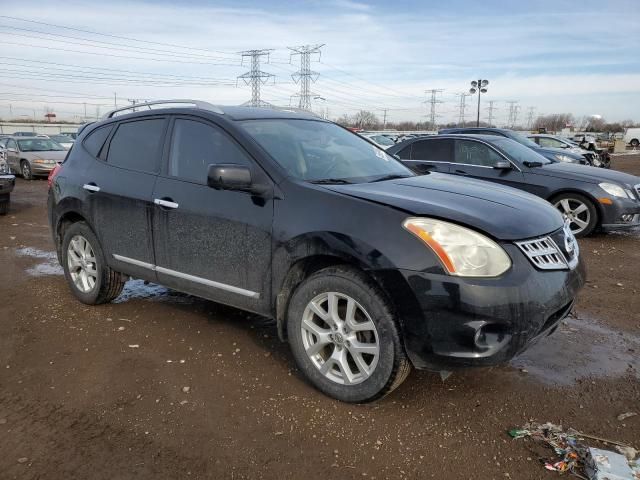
column 588, row 197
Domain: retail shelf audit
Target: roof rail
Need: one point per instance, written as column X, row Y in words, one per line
column 196, row 103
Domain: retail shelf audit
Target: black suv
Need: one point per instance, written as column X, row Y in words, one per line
column 367, row 268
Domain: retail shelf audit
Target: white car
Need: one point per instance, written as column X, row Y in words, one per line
column 380, row 140
column 64, row 140
column 632, row 136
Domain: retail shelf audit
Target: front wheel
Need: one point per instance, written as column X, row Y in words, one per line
column 25, row 170
column 344, row 337
column 89, row 277
column 579, row 211
column 634, row 143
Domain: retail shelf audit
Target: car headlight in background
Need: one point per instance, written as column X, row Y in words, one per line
column 462, row 251
column 615, row 190
column 563, row 158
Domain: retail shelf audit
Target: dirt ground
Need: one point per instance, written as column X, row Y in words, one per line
column 159, row 385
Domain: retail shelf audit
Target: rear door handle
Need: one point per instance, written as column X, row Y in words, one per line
column 92, row 187
column 165, row 202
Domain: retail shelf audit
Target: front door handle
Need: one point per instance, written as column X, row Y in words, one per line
column 92, row 187
column 165, row 203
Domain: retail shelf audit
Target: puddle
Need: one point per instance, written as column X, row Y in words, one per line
column 581, row 348
column 138, row 289
column 49, row 265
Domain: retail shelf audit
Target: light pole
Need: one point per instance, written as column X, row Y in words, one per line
column 479, row 86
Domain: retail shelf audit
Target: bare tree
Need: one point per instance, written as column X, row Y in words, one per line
column 366, row 119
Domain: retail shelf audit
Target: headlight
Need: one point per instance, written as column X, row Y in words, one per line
column 615, row 190
column 462, row 251
column 4, row 168
column 563, row 158
column 39, row 160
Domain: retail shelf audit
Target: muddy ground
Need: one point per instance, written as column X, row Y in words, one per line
column 99, row 392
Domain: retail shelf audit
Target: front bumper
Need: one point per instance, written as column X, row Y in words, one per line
column 7, row 183
column 622, row 213
column 481, row 322
column 42, row 168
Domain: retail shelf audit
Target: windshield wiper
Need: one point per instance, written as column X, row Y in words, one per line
column 393, row 176
column 330, row 181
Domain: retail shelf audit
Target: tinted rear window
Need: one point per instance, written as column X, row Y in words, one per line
column 95, row 140
column 435, row 150
column 136, row 145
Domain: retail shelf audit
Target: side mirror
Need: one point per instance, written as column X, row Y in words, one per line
column 229, row 176
column 502, row 165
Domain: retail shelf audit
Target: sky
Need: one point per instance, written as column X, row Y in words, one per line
column 556, row 56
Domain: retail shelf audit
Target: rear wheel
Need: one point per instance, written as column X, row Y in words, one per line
column 634, row 143
column 344, row 338
column 85, row 269
column 579, row 211
column 25, row 170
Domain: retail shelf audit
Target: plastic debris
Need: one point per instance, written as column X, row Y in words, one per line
column 606, row 465
column 624, row 416
column 575, row 457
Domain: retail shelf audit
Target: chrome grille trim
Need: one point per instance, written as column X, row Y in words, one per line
column 637, row 189
column 543, row 253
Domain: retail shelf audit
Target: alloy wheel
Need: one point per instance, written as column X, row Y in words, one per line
column 81, row 261
column 26, row 171
column 576, row 212
column 340, row 338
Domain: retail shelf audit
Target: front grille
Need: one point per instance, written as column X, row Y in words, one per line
column 557, row 251
column 543, row 253
column 637, row 188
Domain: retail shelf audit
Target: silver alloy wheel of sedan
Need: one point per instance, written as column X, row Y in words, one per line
column 576, row 212
column 81, row 261
column 340, row 338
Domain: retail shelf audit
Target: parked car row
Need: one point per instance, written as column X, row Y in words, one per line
column 7, row 182
column 32, row 156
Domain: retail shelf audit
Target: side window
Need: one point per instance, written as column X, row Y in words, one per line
column 196, row 145
column 475, row 153
column 137, row 145
column 95, row 140
column 550, row 142
column 434, row 150
column 405, row 153
column 11, row 144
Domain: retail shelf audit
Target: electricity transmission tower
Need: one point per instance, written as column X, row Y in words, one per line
column 462, row 106
column 305, row 75
column 255, row 77
column 513, row 113
column 491, row 108
column 433, row 101
column 530, row 116
column 384, row 118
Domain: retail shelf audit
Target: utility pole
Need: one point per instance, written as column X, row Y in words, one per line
column 462, row 106
column 530, row 117
column 115, row 100
column 384, row 118
column 491, row 108
column 255, row 77
column 305, row 75
column 433, row 101
column 478, row 86
column 85, row 109
column 132, row 101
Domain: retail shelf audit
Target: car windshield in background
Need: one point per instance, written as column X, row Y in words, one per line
column 61, row 138
column 517, row 151
column 321, row 151
column 39, row 145
column 382, row 140
column 524, row 140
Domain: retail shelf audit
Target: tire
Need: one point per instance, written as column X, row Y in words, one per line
column 579, row 210
column 4, row 207
column 634, row 143
column 374, row 328
column 25, row 170
column 106, row 284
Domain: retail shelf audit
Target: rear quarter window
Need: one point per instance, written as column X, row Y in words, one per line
column 95, row 140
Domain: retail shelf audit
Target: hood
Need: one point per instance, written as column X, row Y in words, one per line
column 559, row 151
column 585, row 173
column 57, row 156
column 502, row 212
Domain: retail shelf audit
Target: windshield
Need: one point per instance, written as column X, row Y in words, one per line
column 518, row 152
column 523, row 140
column 314, row 151
column 40, row 145
column 382, row 140
column 61, row 138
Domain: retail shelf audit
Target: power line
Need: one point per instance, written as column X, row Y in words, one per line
column 491, row 108
column 462, row 106
column 513, row 113
column 305, row 76
column 530, row 117
column 255, row 77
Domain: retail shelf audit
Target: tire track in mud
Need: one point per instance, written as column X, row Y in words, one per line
column 63, row 443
